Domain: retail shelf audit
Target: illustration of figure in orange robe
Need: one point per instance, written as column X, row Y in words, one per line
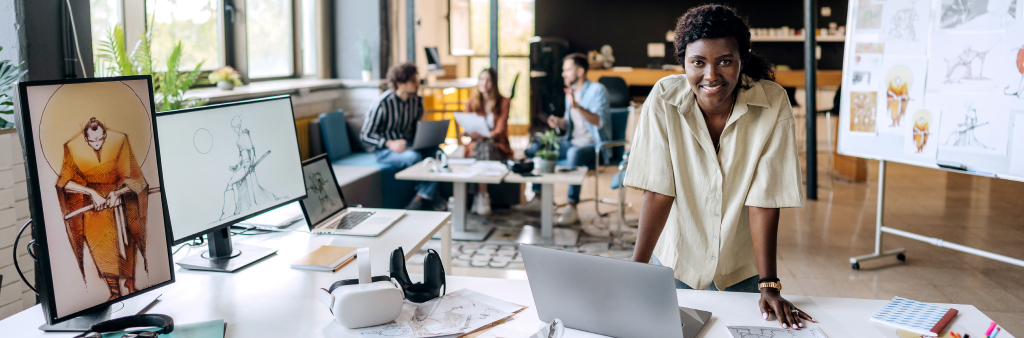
column 921, row 133
column 104, row 198
column 898, row 98
column 1020, row 70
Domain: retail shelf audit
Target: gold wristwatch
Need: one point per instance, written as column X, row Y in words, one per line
column 777, row 285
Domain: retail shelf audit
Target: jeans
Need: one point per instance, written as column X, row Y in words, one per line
column 577, row 156
column 746, row 285
column 407, row 159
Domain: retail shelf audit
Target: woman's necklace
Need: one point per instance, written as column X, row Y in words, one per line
column 718, row 147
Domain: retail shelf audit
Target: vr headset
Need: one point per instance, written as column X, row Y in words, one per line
column 362, row 302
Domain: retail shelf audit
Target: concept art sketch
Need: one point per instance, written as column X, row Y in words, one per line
column 862, row 111
column 897, row 98
column 921, row 130
column 770, row 332
column 1020, row 70
column 977, row 13
column 202, row 140
column 869, row 16
column 903, row 25
column 318, row 185
column 104, row 199
column 861, row 78
column 243, row 191
column 962, row 67
column 964, row 135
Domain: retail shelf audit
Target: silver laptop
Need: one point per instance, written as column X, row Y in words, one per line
column 608, row 296
column 429, row 134
column 325, row 208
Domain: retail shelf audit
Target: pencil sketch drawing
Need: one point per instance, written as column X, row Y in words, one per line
column 903, row 25
column 861, row 78
column 243, row 191
column 316, row 183
column 964, row 134
column 869, row 16
column 962, row 67
column 977, row 14
column 202, row 140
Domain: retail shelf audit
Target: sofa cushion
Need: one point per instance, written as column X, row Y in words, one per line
column 360, row 160
column 334, row 132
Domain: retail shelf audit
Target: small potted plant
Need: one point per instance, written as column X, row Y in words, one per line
column 226, row 78
column 547, row 157
column 364, row 53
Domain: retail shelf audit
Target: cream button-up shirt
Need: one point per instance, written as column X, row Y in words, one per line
column 707, row 235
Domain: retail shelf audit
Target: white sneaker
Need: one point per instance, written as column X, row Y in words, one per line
column 533, row 205
column 568, row 217
column 482, row 204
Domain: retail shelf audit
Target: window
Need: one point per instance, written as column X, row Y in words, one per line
column 269, row 38
column 104, row 15
column 309, row 24
column 194, row 23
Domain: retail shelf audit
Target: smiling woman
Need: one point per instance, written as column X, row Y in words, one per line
column 716, row 148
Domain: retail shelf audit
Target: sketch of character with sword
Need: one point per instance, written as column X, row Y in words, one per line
column 243, row 191
column 104, row 198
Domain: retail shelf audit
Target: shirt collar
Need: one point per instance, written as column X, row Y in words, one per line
column 682, row 96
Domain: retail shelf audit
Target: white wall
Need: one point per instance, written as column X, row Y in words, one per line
column 8, row 31
column 14, row 295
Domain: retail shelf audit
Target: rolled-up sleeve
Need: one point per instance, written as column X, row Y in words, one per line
column 777, row 181
column 650, row 161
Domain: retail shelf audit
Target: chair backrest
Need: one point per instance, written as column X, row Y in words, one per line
column 618, row 91
column 334, row 131
column 620, row 118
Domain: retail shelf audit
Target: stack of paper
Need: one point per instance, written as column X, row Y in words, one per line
column 455, row 314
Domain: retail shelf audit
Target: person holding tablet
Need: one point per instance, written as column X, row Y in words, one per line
column 715, row 153
column 488, row 103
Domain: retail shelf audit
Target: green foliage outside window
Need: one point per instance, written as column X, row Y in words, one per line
column 9, row 73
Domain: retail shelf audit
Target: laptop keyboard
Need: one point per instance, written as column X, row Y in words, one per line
column 351, row 219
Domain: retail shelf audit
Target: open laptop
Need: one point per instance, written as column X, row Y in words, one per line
column 325, row 208
column 429, row 134
column 608, row 296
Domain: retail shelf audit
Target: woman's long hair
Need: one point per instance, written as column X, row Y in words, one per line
column 478, row 98
column 718, row 21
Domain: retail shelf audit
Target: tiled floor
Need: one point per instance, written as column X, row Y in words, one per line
column 816, row 242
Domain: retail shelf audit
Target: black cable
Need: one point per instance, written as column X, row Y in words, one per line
column 195, row 242
column 15, row 253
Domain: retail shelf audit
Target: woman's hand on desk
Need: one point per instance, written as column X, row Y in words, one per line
column 789, row 316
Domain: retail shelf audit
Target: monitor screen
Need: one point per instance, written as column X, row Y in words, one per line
column 225, row 163
column 95, row 191
column 433, row 59
column 323, row 195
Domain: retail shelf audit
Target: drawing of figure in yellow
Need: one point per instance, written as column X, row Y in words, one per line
column 104, row 198
column 898, row 98
column 921, row 132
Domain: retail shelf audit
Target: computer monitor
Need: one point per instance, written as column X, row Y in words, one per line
column 223, row 164
column 95, row 193
column 434, row 66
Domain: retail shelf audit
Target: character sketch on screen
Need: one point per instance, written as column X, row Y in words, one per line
column 961, row 67
column 1020, row 70
column 243, row 191
column 104, row 199
column 964, row 136
column 921, row 131
column 897, row 98
column 903, row 24
column 318, row 185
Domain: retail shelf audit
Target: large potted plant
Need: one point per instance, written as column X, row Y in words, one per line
column 547, row 156
column 364, row 53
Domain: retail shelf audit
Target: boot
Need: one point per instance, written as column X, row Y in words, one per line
column 114, row 286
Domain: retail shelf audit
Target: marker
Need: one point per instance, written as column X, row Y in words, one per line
column 996, row 333
column 990, row 328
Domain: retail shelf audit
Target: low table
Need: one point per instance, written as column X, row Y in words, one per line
column 459, row 176
column 547, row 200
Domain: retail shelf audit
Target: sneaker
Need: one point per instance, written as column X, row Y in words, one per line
column 595, row 230
column 533, row 205
column 568, row 217
column 415, row 204
column 438, row 203
column 482, row 204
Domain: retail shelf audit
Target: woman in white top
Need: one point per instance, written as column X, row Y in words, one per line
column 715, row 154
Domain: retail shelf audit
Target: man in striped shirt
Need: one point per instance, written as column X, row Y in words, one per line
column 390, row 127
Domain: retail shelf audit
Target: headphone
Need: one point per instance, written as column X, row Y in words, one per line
column 433, row 276
column 164, row 322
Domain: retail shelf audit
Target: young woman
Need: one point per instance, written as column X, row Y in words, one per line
column 715, row 154
column 489, row 104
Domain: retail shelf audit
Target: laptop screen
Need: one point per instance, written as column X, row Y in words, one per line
column 323, row 193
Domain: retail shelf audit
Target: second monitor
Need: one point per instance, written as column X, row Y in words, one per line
column 226, row 163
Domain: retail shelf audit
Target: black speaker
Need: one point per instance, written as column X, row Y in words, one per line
column 546, row 84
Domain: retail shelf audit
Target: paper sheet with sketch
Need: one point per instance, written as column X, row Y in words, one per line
column 976, row 124
column 773, row 332
column 905, row 27
column 901, row 93
column 972, row 62
column 471, row 122
column 1017, row 147
column 456, row 313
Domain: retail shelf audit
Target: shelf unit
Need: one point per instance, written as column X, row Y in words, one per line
column 796, row 38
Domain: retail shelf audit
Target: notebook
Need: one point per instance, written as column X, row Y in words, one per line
column 326, row 258
column 921, row 318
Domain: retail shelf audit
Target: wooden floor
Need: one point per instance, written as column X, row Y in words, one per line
column 817, row 241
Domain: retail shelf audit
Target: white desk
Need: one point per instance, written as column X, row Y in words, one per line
column 547, row 200
column 419, row 172
column 280, row 302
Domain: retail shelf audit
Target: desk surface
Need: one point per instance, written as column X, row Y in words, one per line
column 649, row 77
column 281, row 302
column 572, row 177
column 421, row 172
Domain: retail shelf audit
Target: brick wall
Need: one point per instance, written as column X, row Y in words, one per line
column 14, row 295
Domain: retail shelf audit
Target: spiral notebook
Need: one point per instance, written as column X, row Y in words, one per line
column 921, row 318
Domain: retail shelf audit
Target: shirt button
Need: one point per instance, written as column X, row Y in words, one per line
column 716, row 214
column 714, row 236
column 718, row 194
column 718, row 171
column 714, row 257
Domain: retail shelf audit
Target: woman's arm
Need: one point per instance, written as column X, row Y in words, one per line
column 764, row 230
column 501, row 118
column 653, row 214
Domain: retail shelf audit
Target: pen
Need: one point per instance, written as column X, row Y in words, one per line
column 990, row 328
column 997, row 332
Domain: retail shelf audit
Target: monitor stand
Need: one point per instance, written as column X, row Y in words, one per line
column 82, row 323
column 222, row 256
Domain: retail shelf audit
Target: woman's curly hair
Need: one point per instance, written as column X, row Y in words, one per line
column 718, row 21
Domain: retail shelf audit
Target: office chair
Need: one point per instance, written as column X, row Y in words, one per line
column 620, row 110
